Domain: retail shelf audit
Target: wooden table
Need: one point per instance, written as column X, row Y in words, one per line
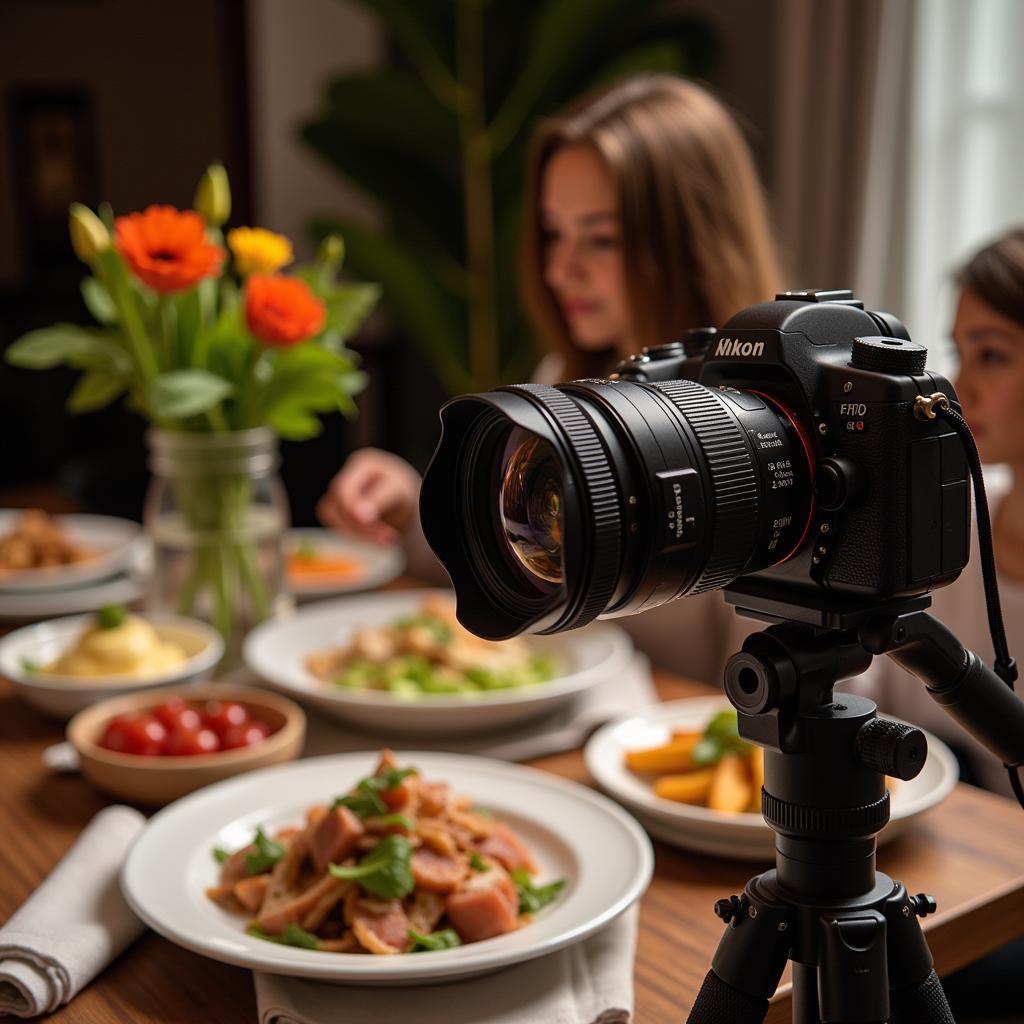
column 967, row 853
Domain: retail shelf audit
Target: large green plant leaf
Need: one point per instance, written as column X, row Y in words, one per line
column 62, row 343
column 419, row 303
column 180, row 394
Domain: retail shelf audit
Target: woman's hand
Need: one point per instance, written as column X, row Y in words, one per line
column 374, row 495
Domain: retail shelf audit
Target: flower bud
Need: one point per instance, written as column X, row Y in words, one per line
column 213, row 196
column 331, row 251
column 89, row 235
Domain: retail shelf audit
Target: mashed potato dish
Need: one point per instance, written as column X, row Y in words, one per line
column 118, row 644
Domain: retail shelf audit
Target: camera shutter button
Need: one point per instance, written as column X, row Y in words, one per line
column 889, row 355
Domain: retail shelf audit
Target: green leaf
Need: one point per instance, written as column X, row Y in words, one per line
column 28, row 665
column 366, row 800
column 532, row 897
column 476, row 862
column 447, row 938
column 98, row 301
column 292, row 935
column 51, row 346
column 220, row 855
column 265, row 856
column 293, row 424
column 348, row 306
column 182, row 393
column 95, row 390
column 386, row 871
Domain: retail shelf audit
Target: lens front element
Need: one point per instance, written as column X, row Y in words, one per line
column 532, row 505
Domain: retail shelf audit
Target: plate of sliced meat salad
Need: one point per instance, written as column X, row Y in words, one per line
column 386, row 868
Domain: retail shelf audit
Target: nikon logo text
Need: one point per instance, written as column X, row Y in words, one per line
column 735, row 347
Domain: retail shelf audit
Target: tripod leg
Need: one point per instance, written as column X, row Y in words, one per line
column 916, row 994
column 748, row 963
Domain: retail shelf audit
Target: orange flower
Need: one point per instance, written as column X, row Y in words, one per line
column 167, row 248
column 282, row 310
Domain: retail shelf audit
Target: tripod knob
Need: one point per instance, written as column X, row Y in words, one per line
column 891, row 748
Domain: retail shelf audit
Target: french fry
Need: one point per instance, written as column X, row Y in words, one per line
column 674, row 756
column 756, row 778
column 691, row 788
column 730, row 786
column 686, row 734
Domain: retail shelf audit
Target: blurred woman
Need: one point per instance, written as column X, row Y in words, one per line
column 644, row 218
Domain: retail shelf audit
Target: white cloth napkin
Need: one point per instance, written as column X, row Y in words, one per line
column 589, row 983
column 74, row 924
column 565, row 729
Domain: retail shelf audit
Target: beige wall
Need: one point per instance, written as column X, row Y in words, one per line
column 294, row 51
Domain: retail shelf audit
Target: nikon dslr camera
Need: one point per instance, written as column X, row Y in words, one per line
column 790, row 454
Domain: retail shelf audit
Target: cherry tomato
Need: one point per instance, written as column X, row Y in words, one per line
column 134, row 733
column 220, row 715
column 183, row 742
column 175, row 711
column 245, row 735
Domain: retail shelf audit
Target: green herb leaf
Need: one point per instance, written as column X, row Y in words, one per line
column 220, row 854
column 110, row 616
column 448, row 938
column 28, row 665
column 292, row 935
column 395, row 819
column 265, row 856
column 482, row 812
column 386, row 871
column 477, row 863
column 366, row 801
column 533, row 897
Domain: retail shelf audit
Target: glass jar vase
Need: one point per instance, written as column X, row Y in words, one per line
column 216, row 513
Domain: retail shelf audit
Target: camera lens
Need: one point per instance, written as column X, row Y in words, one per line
column 531, row 505
column 551, row 506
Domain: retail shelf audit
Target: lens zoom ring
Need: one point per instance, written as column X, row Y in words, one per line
column 824, row 821
column 732, row 477
column 602, row 502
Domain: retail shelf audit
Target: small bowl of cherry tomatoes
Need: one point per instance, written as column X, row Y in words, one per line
column 152, row 747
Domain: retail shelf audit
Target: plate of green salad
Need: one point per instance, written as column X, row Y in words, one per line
column 400, row 661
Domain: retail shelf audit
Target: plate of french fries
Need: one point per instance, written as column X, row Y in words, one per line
column 685, row 773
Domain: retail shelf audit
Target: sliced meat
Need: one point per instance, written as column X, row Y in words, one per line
column 334, row 837
column 250, row 892
column 435, row 798
column 233, row 869
column 381, row 926
column 508, row 849
column 483, row 913
column 424, row 910
column 439, row 872
column 274, row 917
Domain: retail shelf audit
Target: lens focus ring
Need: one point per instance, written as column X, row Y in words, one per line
column 733, row 480
column 600, row 501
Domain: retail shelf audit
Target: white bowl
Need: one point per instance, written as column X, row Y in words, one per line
column 741, row 836
column 113, row 542
column 277, row 651
column 63, row 696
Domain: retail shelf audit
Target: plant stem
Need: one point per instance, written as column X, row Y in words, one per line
column 478, row 192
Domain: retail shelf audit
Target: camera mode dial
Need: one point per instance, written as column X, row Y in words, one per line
column 889, row 355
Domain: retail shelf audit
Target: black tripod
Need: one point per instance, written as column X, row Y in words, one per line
column 859, row 956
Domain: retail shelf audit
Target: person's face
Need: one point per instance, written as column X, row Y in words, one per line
column 583, row 264
column 991, row 378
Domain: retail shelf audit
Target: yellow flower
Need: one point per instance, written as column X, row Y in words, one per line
column 89, row 235
column 258, row 251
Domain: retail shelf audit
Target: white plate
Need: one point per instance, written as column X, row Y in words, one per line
column 63, row 696
column 277, row 652
column 113, row 540
column 573, row 833
column 744, row 836
column 378, row 563
column 45, row 604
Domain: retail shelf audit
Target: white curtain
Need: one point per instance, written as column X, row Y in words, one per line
column 946, row 158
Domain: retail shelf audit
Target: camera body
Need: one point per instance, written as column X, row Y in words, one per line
column 788, row 456
column 891, row 512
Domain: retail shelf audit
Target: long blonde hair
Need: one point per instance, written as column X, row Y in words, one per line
column 695, row 232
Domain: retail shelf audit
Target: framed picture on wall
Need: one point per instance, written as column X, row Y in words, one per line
column 53, row 156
